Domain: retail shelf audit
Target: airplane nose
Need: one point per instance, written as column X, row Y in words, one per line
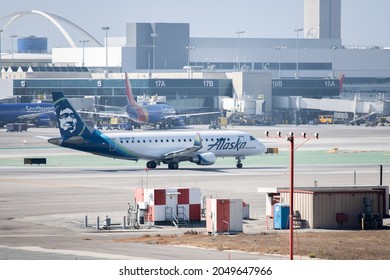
column 264, row 148
column 261, row 147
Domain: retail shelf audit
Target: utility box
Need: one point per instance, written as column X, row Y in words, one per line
column 281, row 215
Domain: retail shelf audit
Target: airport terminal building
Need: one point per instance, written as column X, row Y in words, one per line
column 195, row 74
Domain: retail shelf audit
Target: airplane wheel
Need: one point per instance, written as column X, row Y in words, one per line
column 151, row 164
column 239, row 165
column 173, row 165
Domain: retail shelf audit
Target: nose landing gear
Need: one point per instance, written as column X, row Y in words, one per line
column 239, row 164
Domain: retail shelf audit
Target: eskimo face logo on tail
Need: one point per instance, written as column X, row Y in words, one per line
column 225, row 144
column 67, row 121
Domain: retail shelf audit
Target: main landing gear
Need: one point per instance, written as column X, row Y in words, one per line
column 173, row 165
column 153, row 164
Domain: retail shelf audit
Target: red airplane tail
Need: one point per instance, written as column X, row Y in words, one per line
column 129, row 93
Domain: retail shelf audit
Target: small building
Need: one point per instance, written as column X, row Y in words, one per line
column 333, row 207
column 177, row 206
column 224, row 215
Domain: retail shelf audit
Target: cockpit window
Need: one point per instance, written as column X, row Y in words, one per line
column 252, row 138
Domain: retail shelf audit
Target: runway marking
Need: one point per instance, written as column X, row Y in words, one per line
column 34, row 182
column 74, row 252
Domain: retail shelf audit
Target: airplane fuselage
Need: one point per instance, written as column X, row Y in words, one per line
column 221, row 143
column 152, row 114
column 155, row 146
column 18, row 112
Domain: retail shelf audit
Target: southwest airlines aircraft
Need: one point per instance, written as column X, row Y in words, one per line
column 158, row 114
column 170, row 148
column 40, row 114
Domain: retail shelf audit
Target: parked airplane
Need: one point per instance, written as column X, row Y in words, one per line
column 40, row 114
column 168, row 147
column 159, row 114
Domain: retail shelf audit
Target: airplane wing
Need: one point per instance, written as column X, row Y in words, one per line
column 187, row 151
column 191, row 115
column 109, row 106
column 103, row 114
column 33, row 116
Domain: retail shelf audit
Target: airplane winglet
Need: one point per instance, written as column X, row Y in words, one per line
column 198, row 141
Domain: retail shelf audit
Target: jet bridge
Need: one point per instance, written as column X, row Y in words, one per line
column 360, row 109
column 325, row 104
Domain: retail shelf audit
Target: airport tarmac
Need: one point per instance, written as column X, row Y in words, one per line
column 43, row 207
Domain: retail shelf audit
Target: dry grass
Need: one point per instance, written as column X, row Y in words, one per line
column 332, row 245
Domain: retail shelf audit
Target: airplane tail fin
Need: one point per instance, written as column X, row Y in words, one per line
column 69, row 121
column 129, row 92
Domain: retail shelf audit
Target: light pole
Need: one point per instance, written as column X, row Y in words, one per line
column 280, row 56
column 290, row 139
column 238, row 47
column 149, row 46
column 296, row 51
column 154, row 35
column 1, row 35
column 12, row 47
column 189, row 49
column 334, row 62
column 83, row 42
column 106, row 28
column 291, row 216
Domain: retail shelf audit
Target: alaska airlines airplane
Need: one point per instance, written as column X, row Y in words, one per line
column 40, row 114
column 156, row 114
column 170, row 148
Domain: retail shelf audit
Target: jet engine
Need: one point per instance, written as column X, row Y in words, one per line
column 42, row 120
column 204, row 159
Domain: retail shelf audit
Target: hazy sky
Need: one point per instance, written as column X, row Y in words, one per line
column 364, row 23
